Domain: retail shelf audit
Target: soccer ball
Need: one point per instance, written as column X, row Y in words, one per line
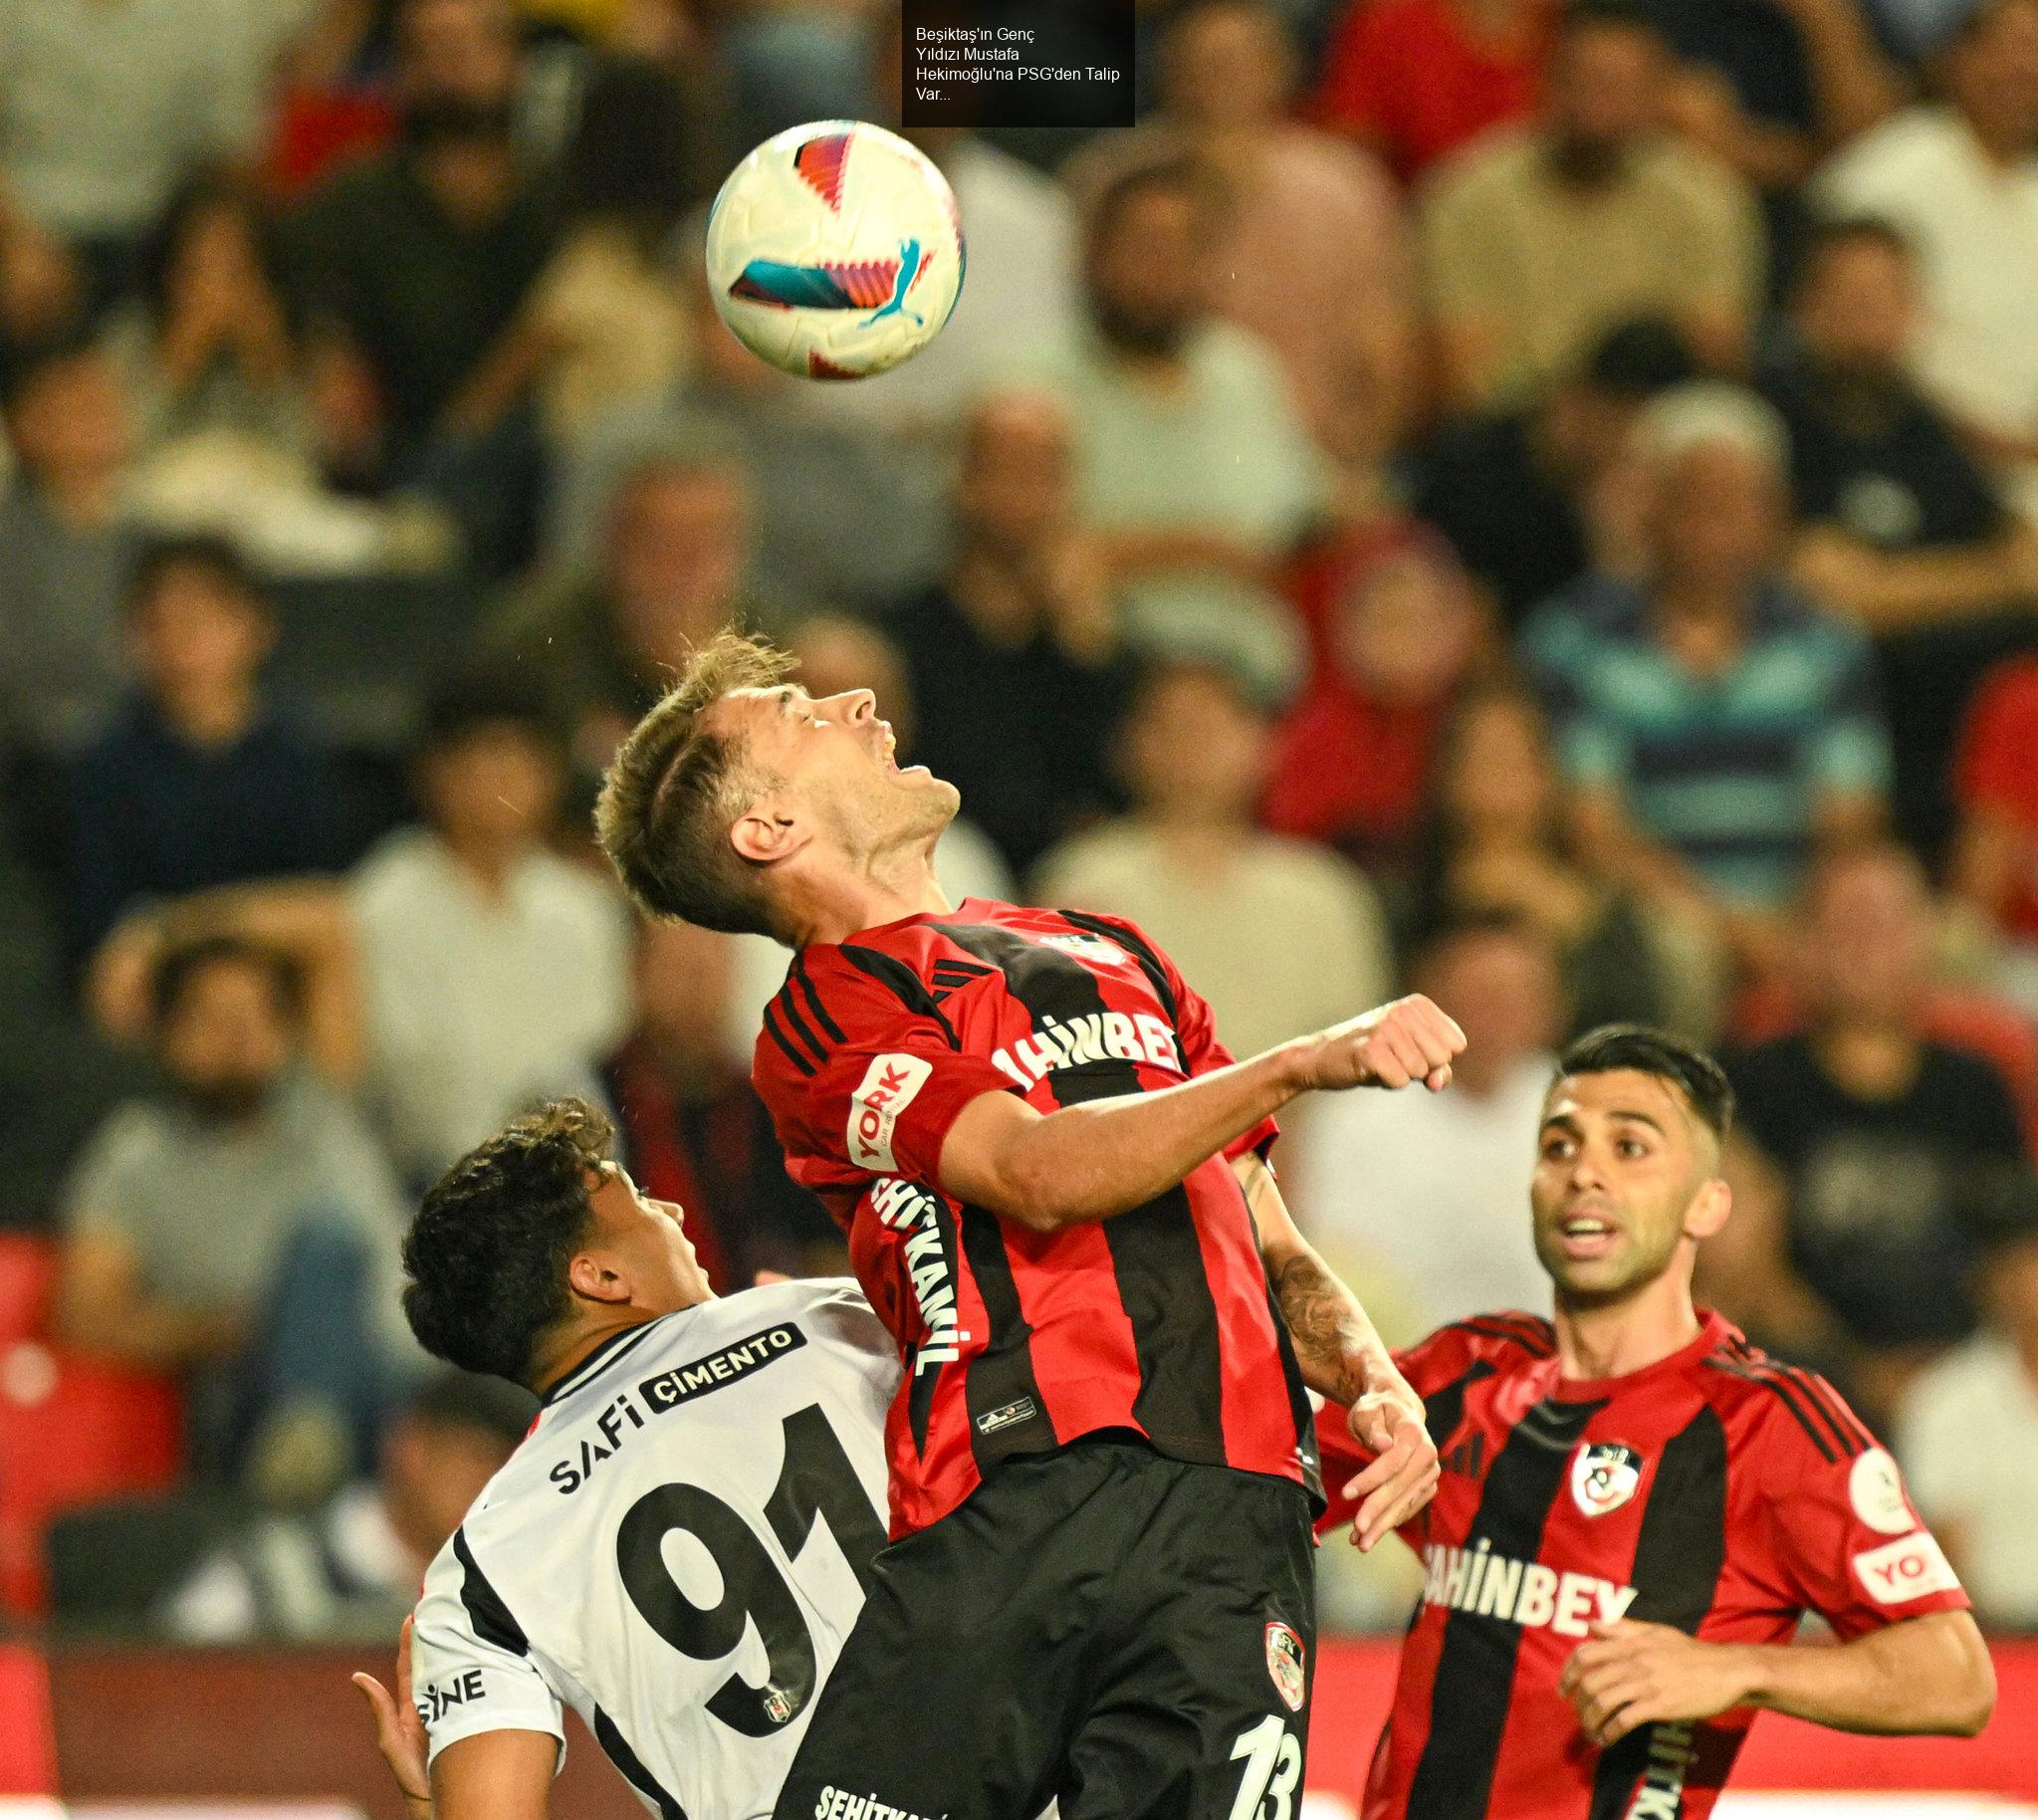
column 836, row 250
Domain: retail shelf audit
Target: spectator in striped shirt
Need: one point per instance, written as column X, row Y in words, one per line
column 1713, row 723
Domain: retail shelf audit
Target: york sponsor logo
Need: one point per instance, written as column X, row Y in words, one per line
column 1524, row 1592
column 839, row 1804
column 1906, row 1568
column 1074, row 1042
column 907, row 1208
column 890, row 1085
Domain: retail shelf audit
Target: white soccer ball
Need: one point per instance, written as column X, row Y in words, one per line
column 836, row 250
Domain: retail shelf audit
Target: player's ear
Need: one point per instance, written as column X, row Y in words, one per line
column 593, row 1277
column 1710, row 1209
column 768, row 830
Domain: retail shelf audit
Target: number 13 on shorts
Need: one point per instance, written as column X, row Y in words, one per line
column 1273, row 1765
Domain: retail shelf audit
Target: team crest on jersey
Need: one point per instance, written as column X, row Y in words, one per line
column 1604, row 1475
column 1285, row 1660
column 1089, row 947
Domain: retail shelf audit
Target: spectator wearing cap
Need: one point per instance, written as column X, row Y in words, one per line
column 348, row 1570
column 1957, row 176
column 1013, row 655
column 239, row 1226
column 495, row 973
column 1968, row 1435
column 202, row 778
column 1315, row 257
column 1281, row 936
column 1711, row 720
column 1417, row 80
column 1351, row 760
column 1871, row 1159
column 1533, row 497
column 66, row 543
column 1192, row 455
column 1539, row 238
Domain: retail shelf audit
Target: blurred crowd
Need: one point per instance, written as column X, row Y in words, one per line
column 1534, row 503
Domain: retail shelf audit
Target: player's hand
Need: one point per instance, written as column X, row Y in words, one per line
column 1402, row 1479
column 1630, row 1674
column 400, row 1732
column 1407, row 1040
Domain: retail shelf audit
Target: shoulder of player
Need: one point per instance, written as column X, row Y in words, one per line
column 1770, row 1404
column 1505, row 1340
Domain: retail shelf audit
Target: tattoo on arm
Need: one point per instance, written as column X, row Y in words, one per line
column 1319, row 1311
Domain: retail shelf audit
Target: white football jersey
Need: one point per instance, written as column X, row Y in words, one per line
column 677, row 1552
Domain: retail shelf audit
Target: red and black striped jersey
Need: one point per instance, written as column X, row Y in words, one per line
column 1159, row 1320
column 1717, row 1491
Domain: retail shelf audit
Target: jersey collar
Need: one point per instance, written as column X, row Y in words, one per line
column 1715, row 1330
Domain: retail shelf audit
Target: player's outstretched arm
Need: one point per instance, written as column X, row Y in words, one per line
column 1089, row 1162
column 1929, row 1674
column 400, row 1732
column 1342, row 1356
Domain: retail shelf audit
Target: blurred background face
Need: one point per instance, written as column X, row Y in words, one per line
column 227, row 1038
column 1716, row 517
column 216, row 251
column 197, row 636
column 73, row 422
column 1867, row 937
column 458, row 50
column 1497, row 781
column 1992, row 72
column 1016, row 480
column 1195, row 750
column 676, row 556
column 1605, row 91
column 1226, row 65
column 1146, row 270
column 1502, row 987
column 685, row 982
column 1856, row 309
column 2009, row 1288
column 495, row 786
column 1407, row 631
column 432, row 1472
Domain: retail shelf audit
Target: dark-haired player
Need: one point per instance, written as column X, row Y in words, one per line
column 680, row 1546
column 1637, row 1506
column 1051, row 1176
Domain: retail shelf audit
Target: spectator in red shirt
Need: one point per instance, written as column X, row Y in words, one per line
column 1351, row 760
column 1416, row 78
column 1995, row 862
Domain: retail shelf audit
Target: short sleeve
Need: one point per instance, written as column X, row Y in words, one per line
column 861, row 1083
column 1847, row 1540
column 465, row 1682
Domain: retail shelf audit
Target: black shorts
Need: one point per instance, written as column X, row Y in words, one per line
column 1100, row 1625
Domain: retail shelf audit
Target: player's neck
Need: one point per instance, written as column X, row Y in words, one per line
column 573, row 1349
column 892, row 886
column 1615, row 1339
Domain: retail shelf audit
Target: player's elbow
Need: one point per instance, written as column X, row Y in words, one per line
column 1961, row 1686
column 1972, row 1695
